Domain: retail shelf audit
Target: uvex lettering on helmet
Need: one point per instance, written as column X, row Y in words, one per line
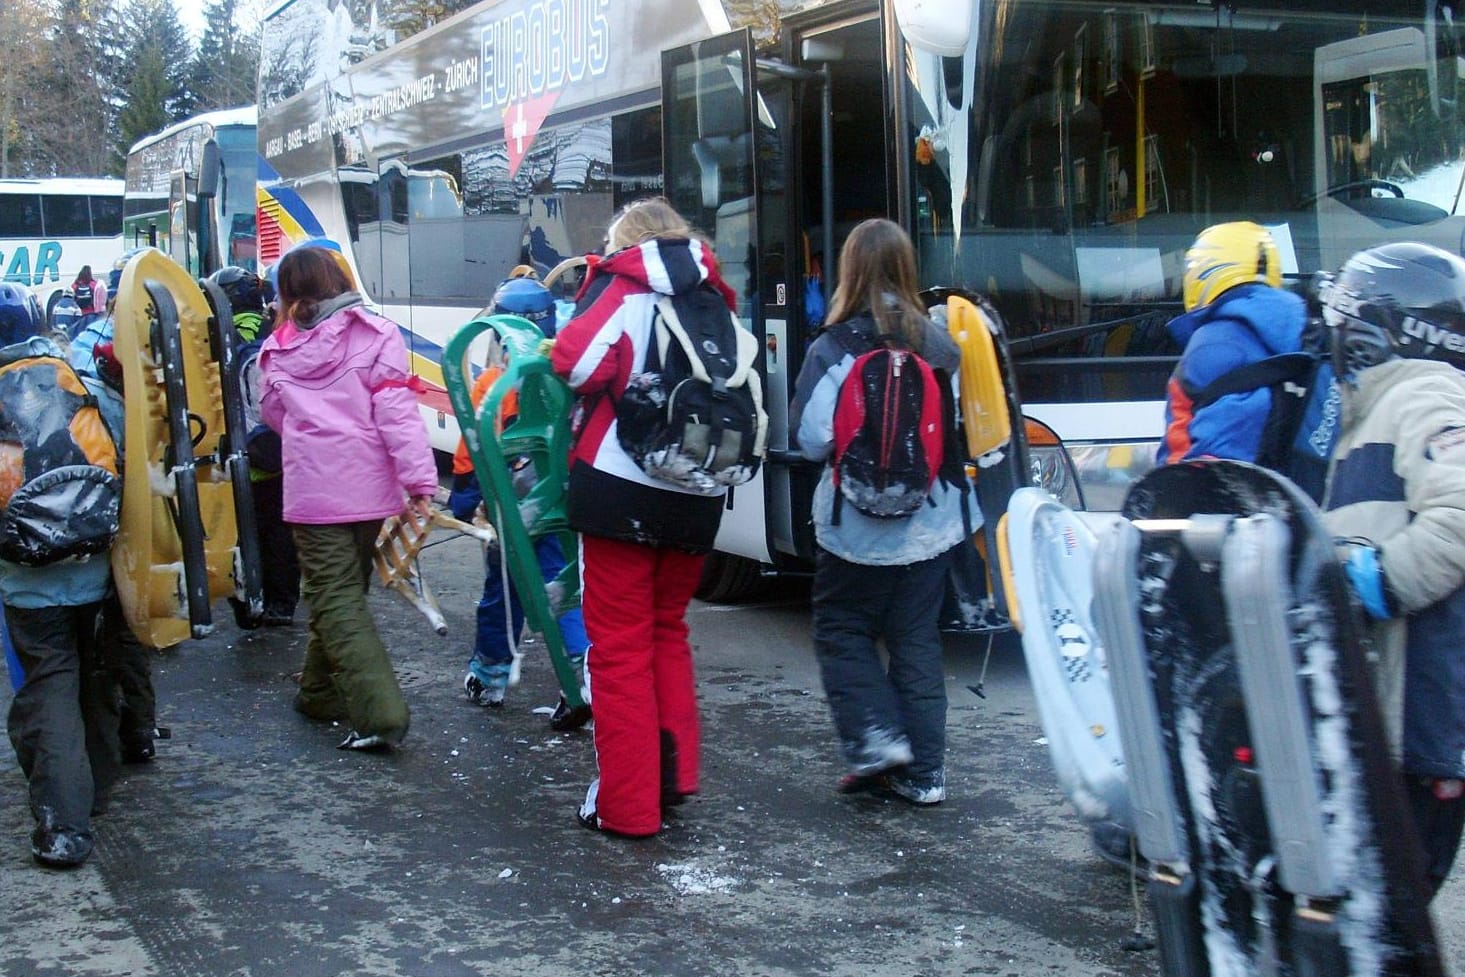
column 1226, row 255
column 1396, row 300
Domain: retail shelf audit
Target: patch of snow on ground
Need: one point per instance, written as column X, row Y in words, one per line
column 694, row 880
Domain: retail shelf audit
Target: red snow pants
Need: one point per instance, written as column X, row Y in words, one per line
column 641, row 679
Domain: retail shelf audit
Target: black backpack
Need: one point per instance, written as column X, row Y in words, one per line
column 694, row 416
column 60, row 495
column 894, row 429
column 1290, row 378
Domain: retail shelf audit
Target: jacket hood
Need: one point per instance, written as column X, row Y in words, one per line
column 671, row 266
column 319, row 351
column 1276, row 316
column 330, row 307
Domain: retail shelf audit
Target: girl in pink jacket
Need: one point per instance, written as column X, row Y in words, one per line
column 354, row 451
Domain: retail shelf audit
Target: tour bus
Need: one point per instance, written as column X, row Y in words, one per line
column 1055, row 156
column 164, row 175
column 51, row 228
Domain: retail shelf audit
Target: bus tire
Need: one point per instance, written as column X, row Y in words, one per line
column 728, row 579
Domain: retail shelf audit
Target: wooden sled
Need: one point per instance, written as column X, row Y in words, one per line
column 397, row 547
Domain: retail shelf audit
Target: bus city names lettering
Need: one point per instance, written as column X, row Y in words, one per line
column 526, row 59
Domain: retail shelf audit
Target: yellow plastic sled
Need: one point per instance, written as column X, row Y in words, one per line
column 176, row 548
column 996, row 444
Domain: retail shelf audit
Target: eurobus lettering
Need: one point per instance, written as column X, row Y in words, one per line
column 541, row 48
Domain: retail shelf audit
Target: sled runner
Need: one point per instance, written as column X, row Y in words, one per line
column 224, row 346
column 176, row 548
column 1263, row 793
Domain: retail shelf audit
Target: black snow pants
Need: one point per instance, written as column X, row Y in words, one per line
column 854, row 607
column 63, row 721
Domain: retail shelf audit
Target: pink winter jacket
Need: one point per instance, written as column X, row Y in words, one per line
column 353, row 444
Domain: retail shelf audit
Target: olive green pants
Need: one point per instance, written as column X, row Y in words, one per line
column 347, row 672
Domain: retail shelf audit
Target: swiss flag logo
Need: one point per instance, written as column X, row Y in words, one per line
column 522, row 120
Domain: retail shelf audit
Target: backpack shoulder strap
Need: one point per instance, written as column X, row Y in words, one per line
column 745, row 355
column 1254, row 376
column 851, row 339
column 672, row 323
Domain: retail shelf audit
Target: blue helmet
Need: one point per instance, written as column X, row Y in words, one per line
column 272, row 277
column 20, row 315
column 528, row 298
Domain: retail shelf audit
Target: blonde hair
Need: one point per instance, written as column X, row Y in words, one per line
column 877, row 273
column 644, row 220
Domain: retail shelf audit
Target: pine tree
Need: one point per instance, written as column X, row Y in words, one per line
column 72, row 133
column 222, row 74
column 157, row 52
column 146, row 110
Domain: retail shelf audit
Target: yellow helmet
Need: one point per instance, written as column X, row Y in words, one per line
column 1226, row 255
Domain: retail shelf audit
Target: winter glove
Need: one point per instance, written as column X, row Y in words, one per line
column 1361, row 562
column 465, row 497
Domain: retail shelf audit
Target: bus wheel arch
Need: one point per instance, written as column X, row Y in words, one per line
column 728, row 579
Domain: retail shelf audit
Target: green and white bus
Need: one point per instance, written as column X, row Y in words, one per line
column 163, row 176
column 1057, row 156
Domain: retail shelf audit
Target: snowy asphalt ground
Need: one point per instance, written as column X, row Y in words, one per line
column 253, row 847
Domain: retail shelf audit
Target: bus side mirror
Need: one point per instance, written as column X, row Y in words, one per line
column 209, row 170
column 943, row 27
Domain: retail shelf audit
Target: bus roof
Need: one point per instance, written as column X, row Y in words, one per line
column 63, row 184
column 243, row 116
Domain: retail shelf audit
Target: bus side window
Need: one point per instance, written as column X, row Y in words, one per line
column 66, row 216
column 21, row 216
column 106, row 216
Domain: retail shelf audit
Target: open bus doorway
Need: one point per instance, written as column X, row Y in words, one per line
column 850, row 51
column 777, row 159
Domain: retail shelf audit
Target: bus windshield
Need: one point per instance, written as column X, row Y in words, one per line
column 1065, row 168
column 161, row 209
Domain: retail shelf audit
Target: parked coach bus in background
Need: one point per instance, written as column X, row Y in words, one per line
column 51, row 228
column 1056, row 156
column 167, row 171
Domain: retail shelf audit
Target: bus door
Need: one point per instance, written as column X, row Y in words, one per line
column 391, row 258
column 777, row 159
column 182, row 242
column 715, row 129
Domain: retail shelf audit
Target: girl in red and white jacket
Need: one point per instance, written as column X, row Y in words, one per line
column 643, row 540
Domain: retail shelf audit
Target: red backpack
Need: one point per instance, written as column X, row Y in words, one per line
column 890, row 428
